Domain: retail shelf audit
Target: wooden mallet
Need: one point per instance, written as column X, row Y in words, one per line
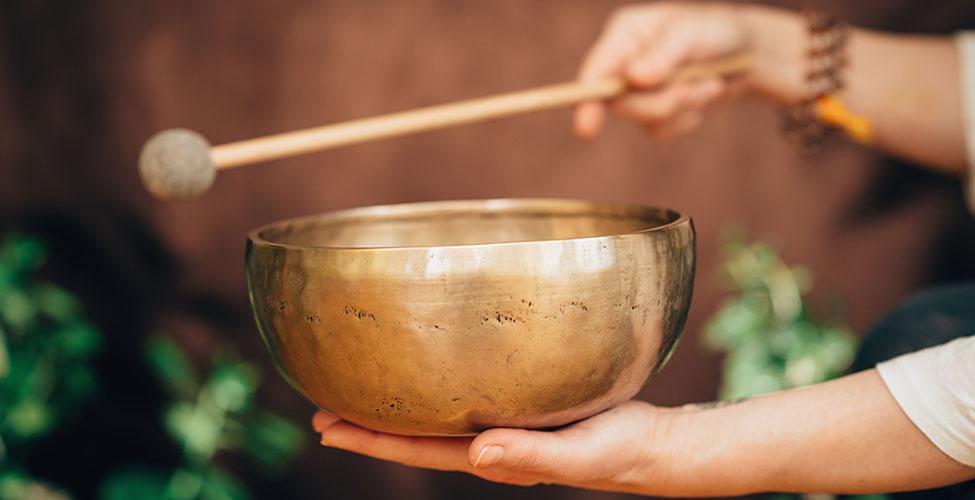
column 180, row 163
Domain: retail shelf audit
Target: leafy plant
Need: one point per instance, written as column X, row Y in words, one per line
column 766, row 328
column 217, row 414
column 46, row 347
column 46, row 376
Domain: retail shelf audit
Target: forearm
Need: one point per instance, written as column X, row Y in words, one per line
column 909, row 88
column 844, row 436
column 906, row 86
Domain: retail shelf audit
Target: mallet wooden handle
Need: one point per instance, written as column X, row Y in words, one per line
column 181, row 164
column 275, row 146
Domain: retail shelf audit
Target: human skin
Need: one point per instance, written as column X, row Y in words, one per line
column 844, row 436
column 907, row 86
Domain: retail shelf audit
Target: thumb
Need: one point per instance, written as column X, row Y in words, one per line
column 537, row 452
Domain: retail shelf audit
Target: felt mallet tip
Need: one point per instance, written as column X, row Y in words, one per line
column 176, row 164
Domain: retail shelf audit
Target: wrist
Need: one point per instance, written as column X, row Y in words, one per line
column 711, row 450
column 776, row 39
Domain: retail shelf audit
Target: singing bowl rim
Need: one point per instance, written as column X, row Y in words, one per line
column 501, row 206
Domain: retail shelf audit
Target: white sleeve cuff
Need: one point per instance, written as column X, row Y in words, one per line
column 936, row 389
column 966, row 70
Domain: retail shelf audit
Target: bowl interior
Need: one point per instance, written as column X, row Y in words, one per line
column 463, row 223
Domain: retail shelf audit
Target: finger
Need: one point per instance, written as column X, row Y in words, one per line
column 429, row 452
column 523, row 450
column 589, row 119
column 699, row 96
column 656, row 107
column 591, row 453
column 569, row 456
column 677, row 126
column 703, row 93
column 322, row 420
column 656, row 63
column 607, row 57
column 561, row 456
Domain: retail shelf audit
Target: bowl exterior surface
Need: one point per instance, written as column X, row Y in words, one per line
column 448, row 340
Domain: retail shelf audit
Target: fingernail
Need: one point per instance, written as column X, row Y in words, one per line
column 489, row 456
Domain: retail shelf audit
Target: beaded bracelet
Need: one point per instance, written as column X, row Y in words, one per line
column 810, row 123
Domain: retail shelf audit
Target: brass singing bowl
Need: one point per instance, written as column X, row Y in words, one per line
column 447, row 318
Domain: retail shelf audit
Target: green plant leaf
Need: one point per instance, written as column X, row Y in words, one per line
column 233, row 386
column 271, row 440
column 23, row 488
column 196, row 429
column 793, row 340
column 219, row 485
column 750, row 370
column 55, row 302
column 13, row 484
column 185, row 484
column 803, row 370
column 135, row 484
column 171, row 367
column 17, row 309
column 837, row 348
column 29, row 418
column 22, row 254
column 738, row 322
column 77, row 340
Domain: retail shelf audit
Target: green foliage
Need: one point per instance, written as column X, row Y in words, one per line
column 771, row 339
column 206, row 417
column 136, row 483
column 171, row 366
column 151, row 484
column 15, row 485
column 270, row 440
column 46, row 348
column 46, row 376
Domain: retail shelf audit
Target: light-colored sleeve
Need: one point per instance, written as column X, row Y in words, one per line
column 966, row 56
column 936, row 389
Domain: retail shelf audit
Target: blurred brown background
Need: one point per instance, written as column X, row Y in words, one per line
column 83, row 84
